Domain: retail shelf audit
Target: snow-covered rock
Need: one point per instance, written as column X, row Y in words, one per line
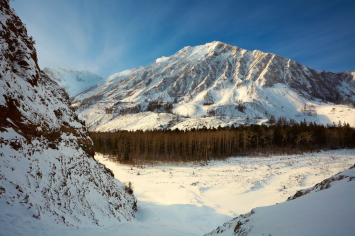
column 74, row 82
column 47, row 169
column 325, row 209
column 216, row 80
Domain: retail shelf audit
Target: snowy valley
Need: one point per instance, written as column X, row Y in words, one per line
column 53, row 183
column 194, row 199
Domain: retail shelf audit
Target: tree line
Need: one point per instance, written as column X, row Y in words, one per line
column 205, row 144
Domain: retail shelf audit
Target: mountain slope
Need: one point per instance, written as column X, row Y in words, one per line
column 325, row 209
column 74, row 82
column 47, row 169
column 215, row 80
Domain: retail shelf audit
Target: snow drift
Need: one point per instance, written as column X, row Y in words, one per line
column 325, row 209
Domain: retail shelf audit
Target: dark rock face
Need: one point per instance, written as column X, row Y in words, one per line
column 47, row 164
column 25, row 86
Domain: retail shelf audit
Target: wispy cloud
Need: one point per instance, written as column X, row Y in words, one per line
column 109, row 36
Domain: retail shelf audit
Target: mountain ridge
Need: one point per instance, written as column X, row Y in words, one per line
column 215, row 78
column 74, row 82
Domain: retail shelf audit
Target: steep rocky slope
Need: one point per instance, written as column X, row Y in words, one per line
column 325, row 209
column 219, row 84
column 74, row 82
column 47, row 169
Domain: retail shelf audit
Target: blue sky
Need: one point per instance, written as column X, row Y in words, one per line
column 109, row 36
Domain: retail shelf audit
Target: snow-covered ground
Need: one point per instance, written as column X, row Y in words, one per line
column 194, row 199
column 325, row 209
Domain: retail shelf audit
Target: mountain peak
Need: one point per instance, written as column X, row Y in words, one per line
column 74, row 82
column 211, row 80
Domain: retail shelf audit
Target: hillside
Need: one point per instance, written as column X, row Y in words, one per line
column 47, row 168
column 325, row 209
column 217, row 84
column 74, row 82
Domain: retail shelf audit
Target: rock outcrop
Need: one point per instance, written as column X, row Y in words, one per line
column 47, row 166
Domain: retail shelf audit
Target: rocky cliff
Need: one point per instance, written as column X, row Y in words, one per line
column 47, row 169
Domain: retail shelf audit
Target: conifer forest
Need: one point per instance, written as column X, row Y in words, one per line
column 205, row 144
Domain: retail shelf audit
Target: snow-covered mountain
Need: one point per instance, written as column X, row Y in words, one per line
column 325, row 209
column 74, row 82
column 216, row 84
column 47, row 166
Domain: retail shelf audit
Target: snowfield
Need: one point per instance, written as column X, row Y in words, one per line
column 325, row 209
column 194, row 199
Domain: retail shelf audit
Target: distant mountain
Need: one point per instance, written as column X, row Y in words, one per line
column 217, row 84
column 325, row 209
column 47, row 166
column 74, row 82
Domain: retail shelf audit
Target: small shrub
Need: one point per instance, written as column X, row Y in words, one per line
column 129, row 187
